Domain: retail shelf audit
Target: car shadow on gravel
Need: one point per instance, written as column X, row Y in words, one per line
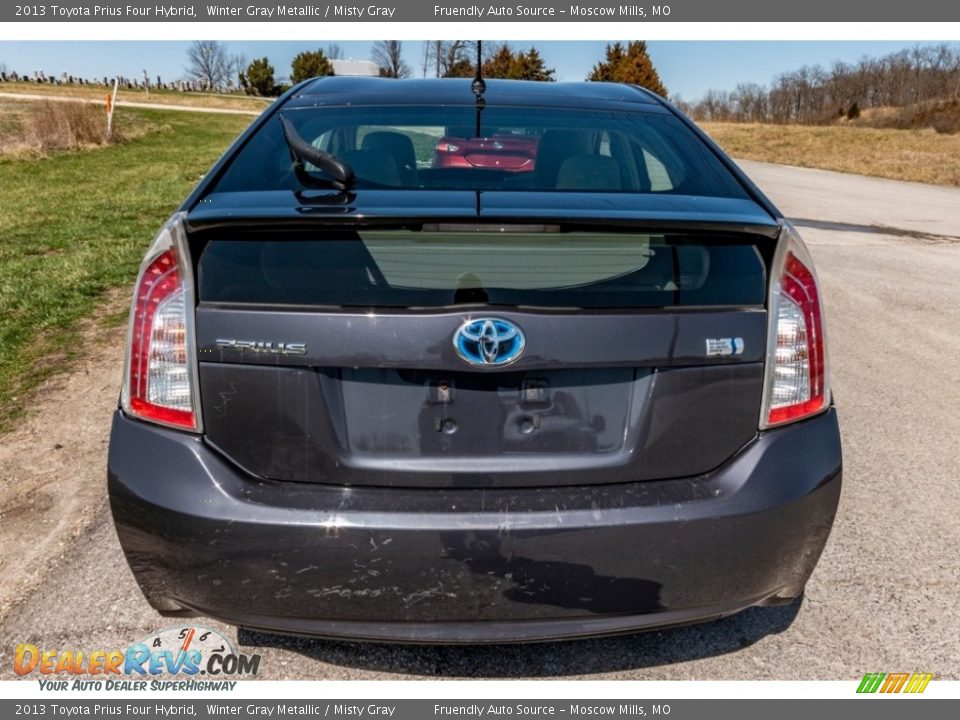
column 575, row 657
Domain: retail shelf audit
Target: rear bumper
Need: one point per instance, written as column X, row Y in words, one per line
column 470, row 565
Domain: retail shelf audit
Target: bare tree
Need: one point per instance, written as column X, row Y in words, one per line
column 456, row 52
column 236, row 64
column 941, row 58
column 333, row 52
column 388, row 54
column 683, row 106
column 749, row 102
column 921, row 75
column 441, row 58
column 954, row 70
column 432, row 57
column 208, row 64
column 715, row 106
column 426, row 57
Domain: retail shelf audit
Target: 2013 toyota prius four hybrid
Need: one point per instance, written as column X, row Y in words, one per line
column 370, row 393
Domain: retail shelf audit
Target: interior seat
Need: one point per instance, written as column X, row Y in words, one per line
column 397, row 146
column 375, row 167
column 555, row 147
column 589, row 172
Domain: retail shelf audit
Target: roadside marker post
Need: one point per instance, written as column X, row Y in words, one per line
column 111, row 104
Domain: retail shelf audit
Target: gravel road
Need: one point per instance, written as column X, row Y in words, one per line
column 884, row 597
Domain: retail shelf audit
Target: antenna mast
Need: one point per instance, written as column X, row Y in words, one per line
column 479, row 87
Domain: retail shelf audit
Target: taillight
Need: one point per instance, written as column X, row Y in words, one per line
column 160, row 376
column 796, row 379
column 447, row 147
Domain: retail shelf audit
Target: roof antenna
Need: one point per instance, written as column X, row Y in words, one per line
column 478, row 86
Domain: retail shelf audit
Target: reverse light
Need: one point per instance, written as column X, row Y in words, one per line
column 160, row 375
column 796, row 378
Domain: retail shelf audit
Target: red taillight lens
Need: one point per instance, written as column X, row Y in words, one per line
column 797, row 381
column 159, row 383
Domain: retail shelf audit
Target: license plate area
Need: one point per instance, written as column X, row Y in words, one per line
column 387, row 412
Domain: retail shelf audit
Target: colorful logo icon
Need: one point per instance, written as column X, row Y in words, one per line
column 894, row 682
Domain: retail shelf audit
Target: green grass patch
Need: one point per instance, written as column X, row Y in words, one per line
column 76, row 224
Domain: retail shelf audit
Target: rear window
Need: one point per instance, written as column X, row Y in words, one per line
column 439, row 267
column 543, row 149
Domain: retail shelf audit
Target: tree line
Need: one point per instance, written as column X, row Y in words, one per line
column 623, row 62
column 816, row 95
column 212, row 67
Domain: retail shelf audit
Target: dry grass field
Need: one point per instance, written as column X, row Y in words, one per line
column 942, row 115
column 915, row 155
column 37, row 128
column 164, row 97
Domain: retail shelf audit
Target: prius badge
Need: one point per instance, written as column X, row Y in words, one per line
column 265, row 347
column 489, row 342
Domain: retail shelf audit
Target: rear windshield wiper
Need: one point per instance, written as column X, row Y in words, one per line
column 341, row 175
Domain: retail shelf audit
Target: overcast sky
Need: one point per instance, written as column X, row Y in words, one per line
column 688, row 68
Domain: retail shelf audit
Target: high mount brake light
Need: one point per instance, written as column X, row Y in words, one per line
column 796, row 378
column 160, row 375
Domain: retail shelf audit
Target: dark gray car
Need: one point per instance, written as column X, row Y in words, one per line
column 376, row 395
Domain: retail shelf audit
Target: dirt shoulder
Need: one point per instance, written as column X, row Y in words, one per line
column 53, row 465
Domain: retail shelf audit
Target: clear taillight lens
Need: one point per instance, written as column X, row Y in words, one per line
column 160, row 377
column 796, row 381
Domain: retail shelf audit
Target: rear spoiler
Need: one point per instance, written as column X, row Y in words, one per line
column 405, row 208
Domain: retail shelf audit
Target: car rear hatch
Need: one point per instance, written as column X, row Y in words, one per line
column 328, row 352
